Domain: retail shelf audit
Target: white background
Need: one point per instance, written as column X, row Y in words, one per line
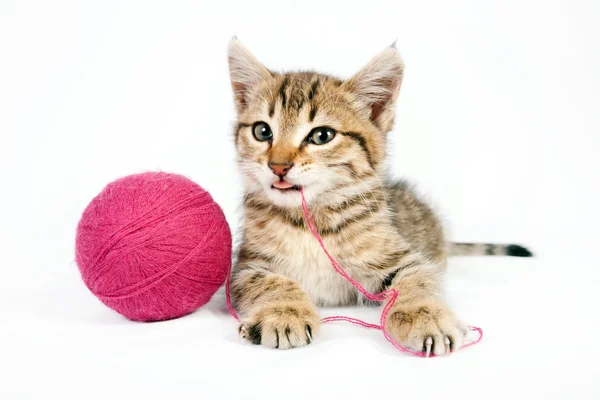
column 497, row 121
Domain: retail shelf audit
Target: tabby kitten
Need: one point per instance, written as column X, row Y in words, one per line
column 328, row 137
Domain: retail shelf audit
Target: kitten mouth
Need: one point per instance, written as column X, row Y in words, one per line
column 284, row 186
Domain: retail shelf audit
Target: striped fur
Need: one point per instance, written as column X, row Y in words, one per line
column 379, row 230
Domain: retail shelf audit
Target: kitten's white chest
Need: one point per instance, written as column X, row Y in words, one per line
column 308, row 264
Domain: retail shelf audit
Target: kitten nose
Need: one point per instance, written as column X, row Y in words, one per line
column 280, row 169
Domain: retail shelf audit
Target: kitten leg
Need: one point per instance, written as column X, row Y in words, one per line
column 276, row 311
column 420, row 319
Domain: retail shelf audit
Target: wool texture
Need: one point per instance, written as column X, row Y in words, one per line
column 153, row 246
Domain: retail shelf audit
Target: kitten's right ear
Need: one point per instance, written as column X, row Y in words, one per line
column 246, row 73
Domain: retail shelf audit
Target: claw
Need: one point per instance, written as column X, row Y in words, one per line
column 243, row 331
column 428, row 345
column 309, row 334
column 448, row 345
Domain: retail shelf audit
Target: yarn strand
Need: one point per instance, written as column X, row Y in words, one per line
column 391, row 294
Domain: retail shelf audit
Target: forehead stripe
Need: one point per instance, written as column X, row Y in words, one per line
column 313, row 89
column 313, row 113
column 282, row 91
column 272, row 109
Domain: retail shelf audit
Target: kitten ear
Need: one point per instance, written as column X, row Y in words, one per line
column 246, row 73
column 377, row 85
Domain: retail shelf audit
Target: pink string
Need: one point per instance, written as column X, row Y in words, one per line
column 228, row 297
column 391, row 294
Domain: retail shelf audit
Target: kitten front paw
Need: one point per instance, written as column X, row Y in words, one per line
column 429, row 327
column 282, row 326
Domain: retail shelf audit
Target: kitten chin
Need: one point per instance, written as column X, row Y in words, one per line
column 284, row 198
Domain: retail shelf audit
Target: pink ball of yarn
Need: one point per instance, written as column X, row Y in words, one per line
column 153, row 246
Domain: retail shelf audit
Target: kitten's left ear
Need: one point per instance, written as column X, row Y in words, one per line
column 377, row 86
column 246, row 73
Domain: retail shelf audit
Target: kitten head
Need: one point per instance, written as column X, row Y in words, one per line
column 312, row 131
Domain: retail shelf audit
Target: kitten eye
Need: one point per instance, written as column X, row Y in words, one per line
column 321, row 135
column 262, row 132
